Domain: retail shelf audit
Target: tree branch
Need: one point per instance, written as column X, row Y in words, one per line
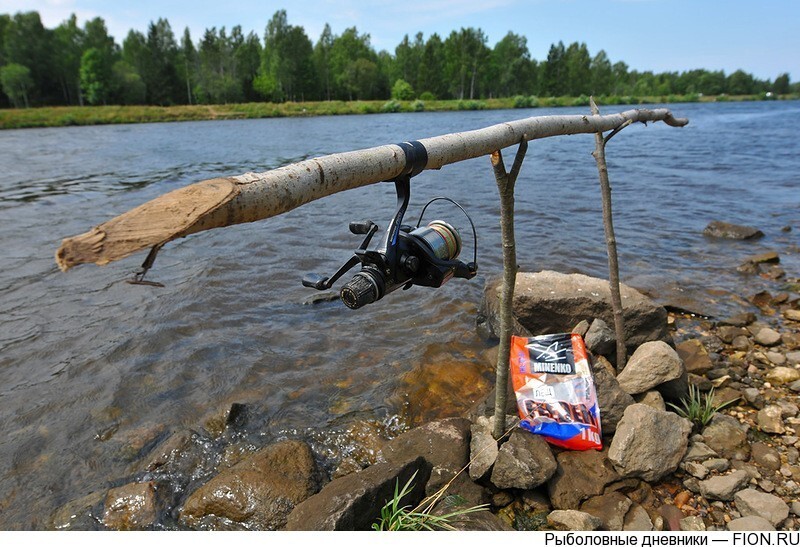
column 505, row 186
column 256, row 196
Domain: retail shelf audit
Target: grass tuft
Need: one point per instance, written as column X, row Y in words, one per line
column 699, row 408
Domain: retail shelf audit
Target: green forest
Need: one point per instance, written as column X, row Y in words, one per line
column 74, row 65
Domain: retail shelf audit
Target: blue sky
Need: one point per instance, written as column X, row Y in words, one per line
column 759, row 36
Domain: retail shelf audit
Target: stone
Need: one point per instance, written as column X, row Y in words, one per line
column 753, row 396
column 652, row 364
column 725, row 436
column 637, row 520
column 600, row 339
column 793, row 357
column 751, row 502
column 133, row 506
column 694, row 356
column 573, row 520
column 792, row 315
column 549, row 302
column 794, row 507
column 723, row 487
column 767, row 337
column 741, row 343
column 479, row 521
column 696, row 469
column 750, row 524
column 609, row 508
column 580, row 475
column 524, row 461
column 652, row 399
column 81, row 514
column 258, row 493
column 698, row 451
column 782, row 375
column 649, row 444
column 445, row 444
column 766, row 456
column 692, row 524
column 354, row 502
column 728, row 333
column 581, row 328
column 770, row 257
column 788, row 408
column 720, row 465
column 770, row 420
column 672, row 517
column 740, row 319
column 611, row 398
column 726, row 230
column 776, row 358
column 483, row 449
column 791, row 340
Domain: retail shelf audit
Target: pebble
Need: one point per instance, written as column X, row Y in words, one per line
column 768, row 337
column 776, row 358
column 769, row 419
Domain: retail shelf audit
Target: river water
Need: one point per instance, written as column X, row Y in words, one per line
column 86, row 358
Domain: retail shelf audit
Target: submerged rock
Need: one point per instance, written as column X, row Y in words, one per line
column 257, row 493
column 726, row 230
column 131, row 507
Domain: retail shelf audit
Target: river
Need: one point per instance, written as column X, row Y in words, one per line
column 87, row 359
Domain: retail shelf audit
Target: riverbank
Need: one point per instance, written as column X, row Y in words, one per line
column 735, row 469
column 64, row 116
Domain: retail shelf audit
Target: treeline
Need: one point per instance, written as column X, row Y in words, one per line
column 73, row 65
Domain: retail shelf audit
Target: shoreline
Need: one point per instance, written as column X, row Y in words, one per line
column 66, row 116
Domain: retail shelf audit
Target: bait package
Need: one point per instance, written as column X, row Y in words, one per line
column 555, row 391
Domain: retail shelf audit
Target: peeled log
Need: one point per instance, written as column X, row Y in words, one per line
column 255, row 196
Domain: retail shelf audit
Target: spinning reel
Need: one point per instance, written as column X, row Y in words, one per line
column 406, row 255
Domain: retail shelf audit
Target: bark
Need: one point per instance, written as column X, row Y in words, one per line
column 255, row 196
column 611, row 241
column 505, row 186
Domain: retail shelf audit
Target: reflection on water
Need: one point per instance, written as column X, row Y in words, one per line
column 88, row 362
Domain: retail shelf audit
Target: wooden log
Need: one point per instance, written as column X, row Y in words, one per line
column 225, row 201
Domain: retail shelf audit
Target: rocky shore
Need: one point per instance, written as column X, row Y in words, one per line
column 657, row 470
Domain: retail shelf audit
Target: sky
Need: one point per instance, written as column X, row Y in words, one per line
column 761, row 37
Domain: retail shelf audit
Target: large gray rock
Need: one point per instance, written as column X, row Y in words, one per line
column 257, row 493
column 611, row 398
column 726, row 230
column 549, row 302
column 752, row 503
column 651, row 365
column 444, row 444
column 725, row 436
column 354, row 502
column 723, row 487
column 572, row 520
column 580, row 475
column 649, row 443
column 525, row 461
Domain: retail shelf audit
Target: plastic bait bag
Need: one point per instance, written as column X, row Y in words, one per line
column 555, row 391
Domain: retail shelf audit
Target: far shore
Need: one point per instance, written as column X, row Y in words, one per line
column 63, row 116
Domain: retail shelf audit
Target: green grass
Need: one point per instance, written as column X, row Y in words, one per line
column 61, row 116
column 699, row 408
column 398, row 517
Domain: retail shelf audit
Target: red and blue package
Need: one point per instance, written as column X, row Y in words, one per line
column 555, row 390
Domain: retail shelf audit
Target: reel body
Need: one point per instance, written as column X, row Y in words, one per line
column 407, row 256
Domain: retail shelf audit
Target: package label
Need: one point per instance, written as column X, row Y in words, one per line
column 555, row 391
